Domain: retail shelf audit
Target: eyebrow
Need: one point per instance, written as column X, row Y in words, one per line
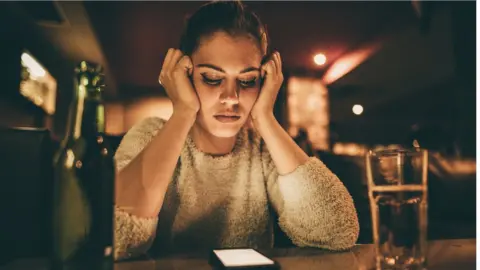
column 221, row 70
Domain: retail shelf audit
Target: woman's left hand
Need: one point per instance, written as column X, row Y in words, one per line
column 273, row 79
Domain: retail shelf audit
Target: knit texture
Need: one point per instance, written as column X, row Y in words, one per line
column 229, row 201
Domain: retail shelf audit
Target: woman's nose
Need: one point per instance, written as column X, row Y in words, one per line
column 229, row 95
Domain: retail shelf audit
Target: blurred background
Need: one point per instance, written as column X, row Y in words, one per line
column 358, row 75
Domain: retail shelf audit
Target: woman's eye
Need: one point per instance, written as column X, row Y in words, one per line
column 211, row 81
column 248, row 83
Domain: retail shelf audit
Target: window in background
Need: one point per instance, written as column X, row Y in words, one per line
column 37, row 84
column 308, row 109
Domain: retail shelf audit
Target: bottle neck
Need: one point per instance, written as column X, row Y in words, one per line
column 88, row 115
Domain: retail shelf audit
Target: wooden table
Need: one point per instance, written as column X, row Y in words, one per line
column 457, row 254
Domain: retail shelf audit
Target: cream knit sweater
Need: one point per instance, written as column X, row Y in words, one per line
column 227, row 201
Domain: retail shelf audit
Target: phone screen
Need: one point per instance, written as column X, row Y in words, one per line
column 242, row 257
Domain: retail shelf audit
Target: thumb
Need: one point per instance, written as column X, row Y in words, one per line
column 267, row 71
column 185, row 64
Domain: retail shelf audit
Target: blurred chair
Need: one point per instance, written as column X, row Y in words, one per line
column 350, row 170
column 26, row 192
column 303, row 142
column 452, row 197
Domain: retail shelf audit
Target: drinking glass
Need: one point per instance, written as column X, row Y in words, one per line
column 397, row 189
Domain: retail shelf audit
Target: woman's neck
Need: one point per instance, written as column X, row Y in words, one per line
column 211, row 144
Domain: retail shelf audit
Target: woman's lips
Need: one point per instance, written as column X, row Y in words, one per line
column 227, row 118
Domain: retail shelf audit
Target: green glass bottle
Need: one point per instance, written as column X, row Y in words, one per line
column 83, row 211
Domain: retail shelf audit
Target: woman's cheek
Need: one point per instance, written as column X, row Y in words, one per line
column 248, row 98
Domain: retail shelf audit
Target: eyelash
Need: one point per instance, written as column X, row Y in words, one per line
column 243, row 83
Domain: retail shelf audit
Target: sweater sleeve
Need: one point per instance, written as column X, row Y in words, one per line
column 134, row 235
column 314, row 207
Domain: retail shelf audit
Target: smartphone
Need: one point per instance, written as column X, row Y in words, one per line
column 236, row 259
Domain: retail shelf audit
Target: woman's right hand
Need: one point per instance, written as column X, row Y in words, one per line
column 174, row 77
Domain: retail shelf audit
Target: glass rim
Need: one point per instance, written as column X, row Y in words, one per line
column 396, row 151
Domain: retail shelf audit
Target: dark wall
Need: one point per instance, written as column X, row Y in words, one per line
column 440, row 93
column 393, row 122
column 464, row 95
column 18, row 32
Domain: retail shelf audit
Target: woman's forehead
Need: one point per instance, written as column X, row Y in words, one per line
column 221, row 48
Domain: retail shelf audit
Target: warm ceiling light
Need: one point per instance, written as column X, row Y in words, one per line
column 357, row 109
column 348, row 62
column 320, row 59
column 33, row 66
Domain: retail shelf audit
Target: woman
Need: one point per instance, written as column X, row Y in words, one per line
column 202, row 179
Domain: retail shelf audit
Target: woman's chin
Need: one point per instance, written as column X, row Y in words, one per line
column 225, row 132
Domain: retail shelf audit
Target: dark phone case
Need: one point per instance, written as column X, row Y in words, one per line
column 215, row 262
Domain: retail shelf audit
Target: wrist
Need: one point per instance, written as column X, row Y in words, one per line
column 263, row 122
column 186, row 115
column 262, row 117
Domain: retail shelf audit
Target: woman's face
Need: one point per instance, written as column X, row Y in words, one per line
column 226, row 76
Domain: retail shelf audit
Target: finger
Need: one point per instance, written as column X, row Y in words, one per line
column 279, row 68
column 273, row 68
column 171, row 54
column 168, row 57
column 264, row 63
column 177, row 55
column 269, row 71
column 279, row 62
column 275, row 62
column 184, row 65
column 263, row 71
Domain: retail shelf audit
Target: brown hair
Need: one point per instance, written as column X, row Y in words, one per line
column 231, row 17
